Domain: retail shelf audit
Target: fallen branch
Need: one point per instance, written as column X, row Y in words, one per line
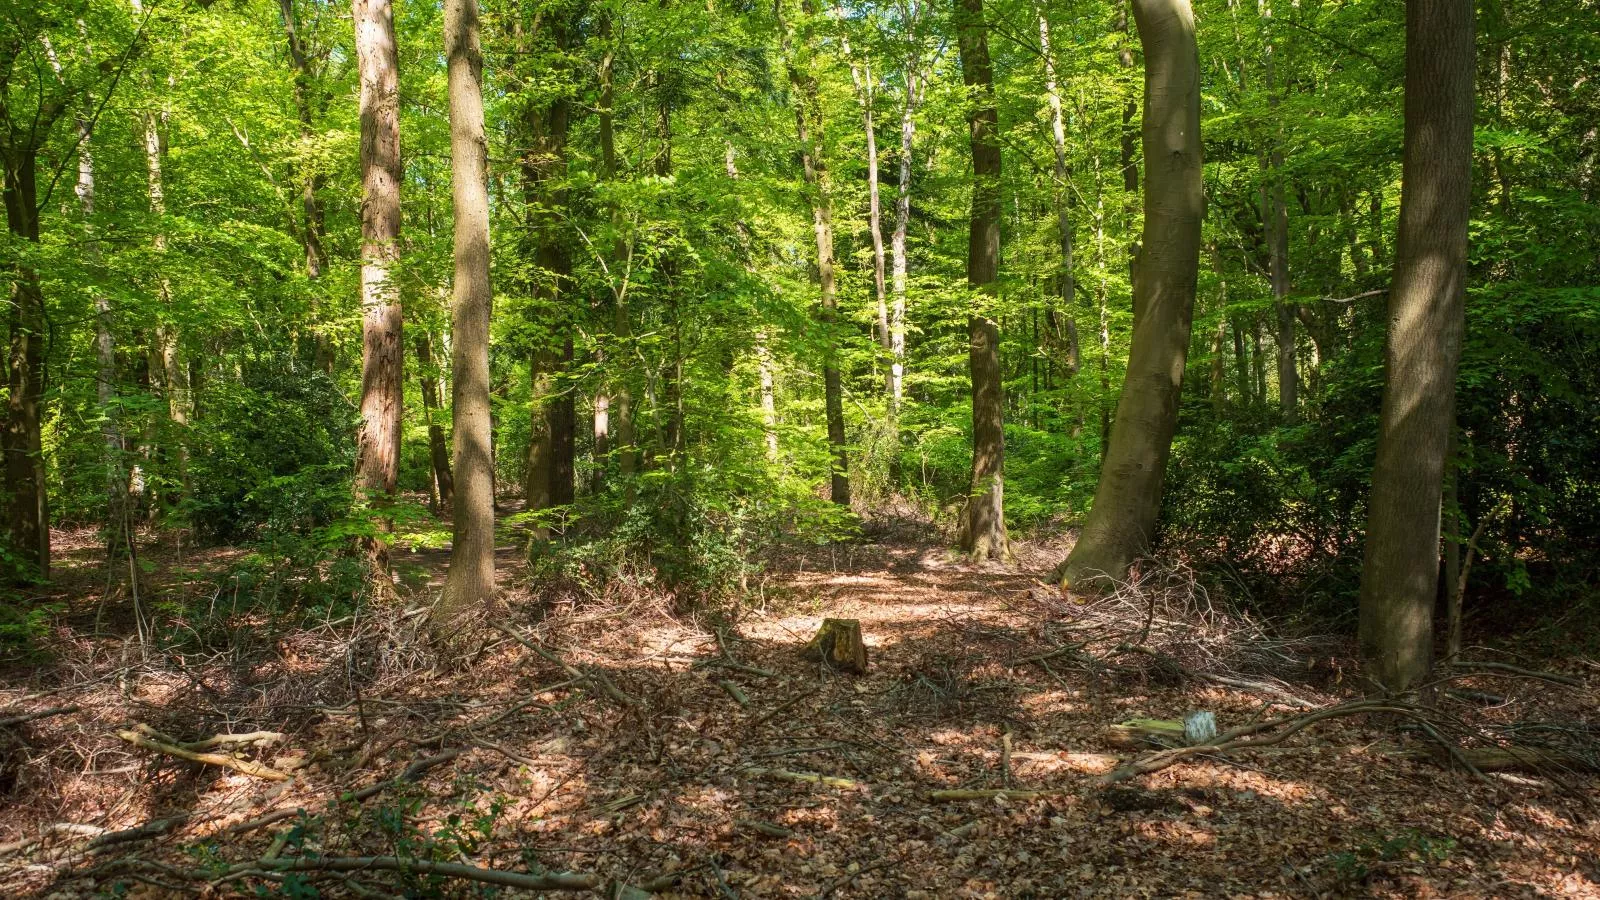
column 734, row 692
column 411, row 773
column 242, row 766
column 254, row 738
column 808, row 777
column 597, row 679
column 960, row 795
column 549, row 881
column 39, row 714
column 1509, row 669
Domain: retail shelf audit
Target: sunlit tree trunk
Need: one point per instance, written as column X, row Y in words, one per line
column 985, row 533
column 897, row 241
column 311, row 231
column 1128, row 498
column 382, row 345
column 865, row 94
column 469, row 583
column 621, row 402
column 174, row 370
column 438, row 449
column 1400, row 571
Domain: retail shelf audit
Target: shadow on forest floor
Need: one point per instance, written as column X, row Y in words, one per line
column 698, row 769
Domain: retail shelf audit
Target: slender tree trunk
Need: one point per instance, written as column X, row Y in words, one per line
column 1066, row 279
column 169, row 355
column 438, row 450
column 1400, row 571
column 27, row 508
column 897, row 242
column 310, row 181
column 865, row 94
column 769, row 405
column 984, row 536
column 1275, row 219
column 469, row 583
column 1123, row 519
column 808, row 124
column 621, row 327
column 382, row 341
column 537, row 478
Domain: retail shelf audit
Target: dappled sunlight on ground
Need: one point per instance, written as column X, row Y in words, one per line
column 732, row 766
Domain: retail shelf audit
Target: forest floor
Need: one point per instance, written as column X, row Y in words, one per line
column 665, row 753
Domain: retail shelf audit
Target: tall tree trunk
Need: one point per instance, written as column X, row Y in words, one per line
column 1066, row 279
column 174, row 369
column 537, row 479
column 985, row 533
column 897, row 242
column 310, row 181
column 625, row 445
column 382, row 344
column 1275, row 219
column 469, row 583
column 1400, row 571
column 27, row 505
column 438, row 450
column 865, row 95
column 808, row 124
column 1128, row 498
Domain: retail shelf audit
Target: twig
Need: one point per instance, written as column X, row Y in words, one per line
column 411, row 773
column 597, row 679
column 963, row 794
column 214, row 759
column 784, row 706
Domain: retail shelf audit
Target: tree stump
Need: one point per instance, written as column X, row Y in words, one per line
column 838, row 645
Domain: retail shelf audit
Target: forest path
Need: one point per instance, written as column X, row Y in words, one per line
column 704, row 748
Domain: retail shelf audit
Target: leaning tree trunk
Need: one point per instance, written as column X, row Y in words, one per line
column 1400, row 572
column 808, row 123
column 984, row 534
column 1129, row 495
column 469, row 583
column 382, row 350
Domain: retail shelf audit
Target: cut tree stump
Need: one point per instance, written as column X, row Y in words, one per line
column 838, row 645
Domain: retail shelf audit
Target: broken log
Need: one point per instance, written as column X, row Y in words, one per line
column 838, row 645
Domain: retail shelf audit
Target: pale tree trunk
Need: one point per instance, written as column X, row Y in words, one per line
column 28, row 513
column 808, row 124
column 622, row 326
column 1400, row 571
column 1128, row 498
column 382, row 346
column 469, row 583
column 1275, row 218
column 984, row 535
column 864, row 94
column 1066, row 278
column 769, row 405
column 173, row 368
column 897, row 241
column 438, row 450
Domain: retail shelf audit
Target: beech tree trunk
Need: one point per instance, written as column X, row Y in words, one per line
column 1400, row 570
column 1066, row 279
column 808, row 124
column 438, row 449
column 864, row 94
column 1128, row 498
column 621, row 402
column 382, row 346
column 985, row 533
column 310, row 182
column 469, row 583
column 169, row 361
column 897, row 242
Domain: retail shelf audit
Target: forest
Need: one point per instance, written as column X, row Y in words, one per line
column 984, row 448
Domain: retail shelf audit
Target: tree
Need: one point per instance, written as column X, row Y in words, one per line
column 469, row 583
column 382, row 343
column 984, row 534
column 1400, row 569
column 1128, row 498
